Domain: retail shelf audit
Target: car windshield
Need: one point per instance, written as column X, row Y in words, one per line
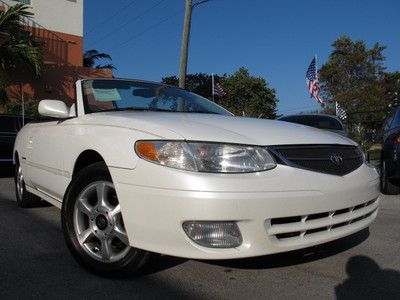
column 114, row 95
column 322, row 122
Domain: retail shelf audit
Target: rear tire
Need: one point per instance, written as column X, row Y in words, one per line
column 93, row 227
column 24, row 198
column 387, row 187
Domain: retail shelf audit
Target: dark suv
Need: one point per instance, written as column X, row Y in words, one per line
column 390, row 158
column 9, row 127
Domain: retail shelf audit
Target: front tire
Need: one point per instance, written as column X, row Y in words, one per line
column 93, row 226
column 387, row 187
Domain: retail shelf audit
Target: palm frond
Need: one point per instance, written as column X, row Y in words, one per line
column 19, row 52
column 11, row 21
column 107, row 67
column 22, row 55
column 91, row 56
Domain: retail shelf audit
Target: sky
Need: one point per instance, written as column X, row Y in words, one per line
column 274, row 39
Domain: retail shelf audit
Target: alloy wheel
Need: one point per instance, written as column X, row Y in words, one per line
column 20, row 182
column 98, row 223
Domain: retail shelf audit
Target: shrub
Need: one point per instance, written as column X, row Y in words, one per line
column 15, row 108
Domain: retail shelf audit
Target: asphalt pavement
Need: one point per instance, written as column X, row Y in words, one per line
column 35, row 263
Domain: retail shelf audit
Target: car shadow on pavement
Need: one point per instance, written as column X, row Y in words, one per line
column 295, row 257
column 368, row 281
column 159, row 263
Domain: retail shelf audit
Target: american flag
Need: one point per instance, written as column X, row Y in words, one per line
column 218, row 90
column 312, row 81
column 340, row 112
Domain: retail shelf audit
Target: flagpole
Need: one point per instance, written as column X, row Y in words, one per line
column 212, row 81
column 316, row 67
column 316, row 75
column 336, row 108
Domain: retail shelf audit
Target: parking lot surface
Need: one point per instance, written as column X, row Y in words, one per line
column 35, row 263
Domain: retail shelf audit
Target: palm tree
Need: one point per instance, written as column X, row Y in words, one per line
column 91, row 56
column 18, row 50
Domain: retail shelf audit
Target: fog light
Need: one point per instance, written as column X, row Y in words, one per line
column 214, row 234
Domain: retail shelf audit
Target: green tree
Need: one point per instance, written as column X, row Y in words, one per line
column 15, row 108
column 354, row 77
column 248, row 95
column 90, row 57
column 244, row 93
column 199, row 83
column 392, row 81
column 19, row 52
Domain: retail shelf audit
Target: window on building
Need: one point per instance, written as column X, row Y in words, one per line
column 24, row 1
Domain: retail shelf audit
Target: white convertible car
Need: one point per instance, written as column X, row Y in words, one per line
column 139, row 167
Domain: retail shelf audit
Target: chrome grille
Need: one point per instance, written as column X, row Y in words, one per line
column 296, row 227
column 331, row 159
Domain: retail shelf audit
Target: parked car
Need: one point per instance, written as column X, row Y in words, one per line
column 139, row 167
column 326, row 122
column 9, row 127
column 390, row 157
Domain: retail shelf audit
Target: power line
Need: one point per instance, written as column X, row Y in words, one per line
column 137, row 17
column 112, row 16
column 162, row 21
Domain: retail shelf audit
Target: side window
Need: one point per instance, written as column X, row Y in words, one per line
column 24, row 1
column 396, row 120
column 388, row 121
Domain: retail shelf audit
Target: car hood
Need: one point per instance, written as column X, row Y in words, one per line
column 216, row 128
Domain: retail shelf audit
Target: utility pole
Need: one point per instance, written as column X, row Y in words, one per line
column 185, row 43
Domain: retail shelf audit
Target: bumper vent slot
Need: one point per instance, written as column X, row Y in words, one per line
column 317, row 216
column 286, row 220
column 288, row 235
column 341, row 211
column 296, row 227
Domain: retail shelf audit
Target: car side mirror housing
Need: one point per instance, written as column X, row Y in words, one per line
column 53, row 109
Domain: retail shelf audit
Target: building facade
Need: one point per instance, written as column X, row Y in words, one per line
column 58, row 26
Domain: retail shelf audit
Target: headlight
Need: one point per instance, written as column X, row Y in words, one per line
column 206, row 157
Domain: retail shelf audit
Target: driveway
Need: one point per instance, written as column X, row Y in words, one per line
column 35, row 263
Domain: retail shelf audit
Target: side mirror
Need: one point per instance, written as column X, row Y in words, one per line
column 54, row 109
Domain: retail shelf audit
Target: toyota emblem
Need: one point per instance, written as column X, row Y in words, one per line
column 336, row 159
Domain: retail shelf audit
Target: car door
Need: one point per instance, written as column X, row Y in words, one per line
column 394, row 131
column 8, row 133
column 44, row 155
column 387, row 133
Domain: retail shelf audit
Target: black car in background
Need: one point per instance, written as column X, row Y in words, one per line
column 390, row 156
column 9, row 127
column 321, row 121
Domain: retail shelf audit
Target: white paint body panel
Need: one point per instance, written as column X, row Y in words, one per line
column 156, row 200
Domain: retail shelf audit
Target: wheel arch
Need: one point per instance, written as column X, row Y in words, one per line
column 86, row 158
column 15, row 157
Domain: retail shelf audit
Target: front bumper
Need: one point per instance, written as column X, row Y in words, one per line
column 156, row 200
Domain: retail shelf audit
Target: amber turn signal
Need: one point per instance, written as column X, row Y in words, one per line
column 147, row 150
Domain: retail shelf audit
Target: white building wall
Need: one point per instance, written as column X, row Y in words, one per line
column 64, row 16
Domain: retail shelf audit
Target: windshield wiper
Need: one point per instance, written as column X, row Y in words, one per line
column 120, row 109
column 133, row 109
column 160, row 109
column 201, row 112
column 154, row 109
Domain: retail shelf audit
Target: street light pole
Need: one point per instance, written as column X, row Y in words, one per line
column 185, row 43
